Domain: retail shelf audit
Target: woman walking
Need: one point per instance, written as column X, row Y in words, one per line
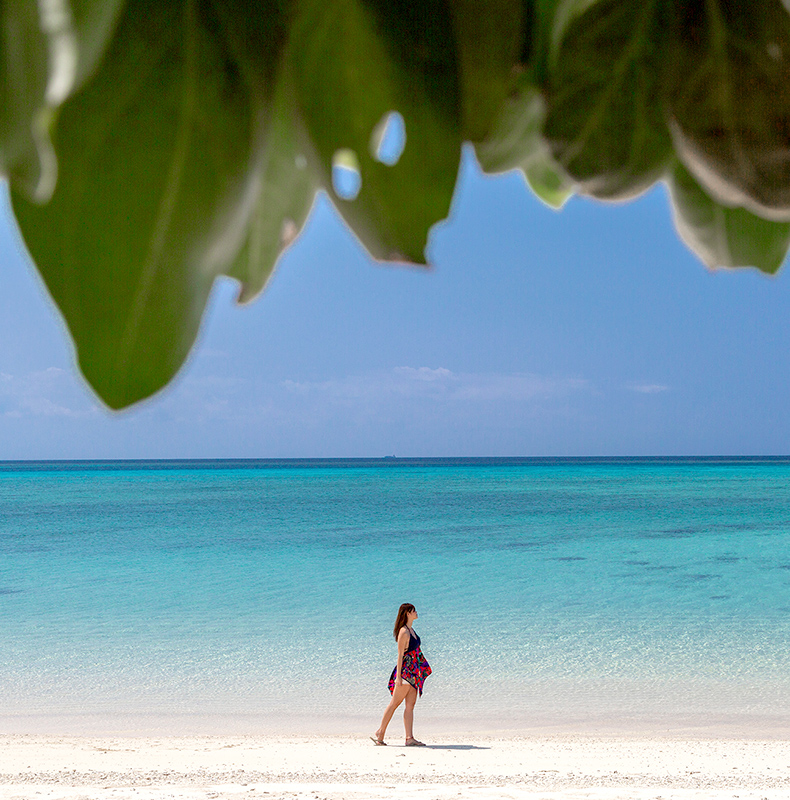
column 407, row 678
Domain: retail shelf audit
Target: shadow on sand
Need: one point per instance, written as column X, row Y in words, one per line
column 454, row 747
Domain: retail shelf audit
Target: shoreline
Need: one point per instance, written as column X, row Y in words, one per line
column 639, row 766
column 147, row 724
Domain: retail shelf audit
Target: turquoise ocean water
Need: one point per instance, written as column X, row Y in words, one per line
column 260, row 595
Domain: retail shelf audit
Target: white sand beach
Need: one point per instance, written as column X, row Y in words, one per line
column 321, row 767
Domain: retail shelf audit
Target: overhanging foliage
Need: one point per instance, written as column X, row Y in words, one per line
column 153, row 145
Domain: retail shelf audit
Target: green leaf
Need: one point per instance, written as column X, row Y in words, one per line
column 722, row 236
column 558, row 16
column 287, row 189
column 26, row 154
column 547, row 182
column 516, row 135
column 493, row 43
column 153, row 197
column 47, row 50
column 283, row 184
column 728, row 97
column 543, row 30
column 516, row 142
column 354, row 62
column 604, row 121
column 94, row 23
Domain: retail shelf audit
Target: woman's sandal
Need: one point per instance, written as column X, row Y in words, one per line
column 412, row 742
column 378, row 742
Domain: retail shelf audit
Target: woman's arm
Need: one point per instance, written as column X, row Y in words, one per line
column 403, row 643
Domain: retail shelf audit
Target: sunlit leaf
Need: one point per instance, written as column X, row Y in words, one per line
column 152, row 198
column 604, row 122
column 729, row 100
column 354, row 62
column 516, row 142
column 23, row 80
column 48, row 48
column 722, row 236
column 547, row 182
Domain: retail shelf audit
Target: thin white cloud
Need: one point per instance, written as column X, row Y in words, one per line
column 424, row 373
column 405, row 407
column 439, row 384
column 200, row 399
column 214, row 352
column 414, row 409
column 52, row 392
column 648, row 388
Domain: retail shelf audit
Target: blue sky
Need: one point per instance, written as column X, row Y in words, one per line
column 590, row 331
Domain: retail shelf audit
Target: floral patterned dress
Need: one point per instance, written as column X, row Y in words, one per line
column 415, row 669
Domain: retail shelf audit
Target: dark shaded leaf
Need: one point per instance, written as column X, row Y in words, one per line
column 729, row 100
column 94, row 23
column 543, row 30
column 604, row 122
column 493, row 44
column 152, row 199
column 723, row 236
column 353, row 63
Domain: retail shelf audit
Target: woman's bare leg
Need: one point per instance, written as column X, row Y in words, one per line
column 408, row 712
column 400, row 693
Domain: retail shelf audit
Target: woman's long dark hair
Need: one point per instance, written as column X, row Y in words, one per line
column 400, row 620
